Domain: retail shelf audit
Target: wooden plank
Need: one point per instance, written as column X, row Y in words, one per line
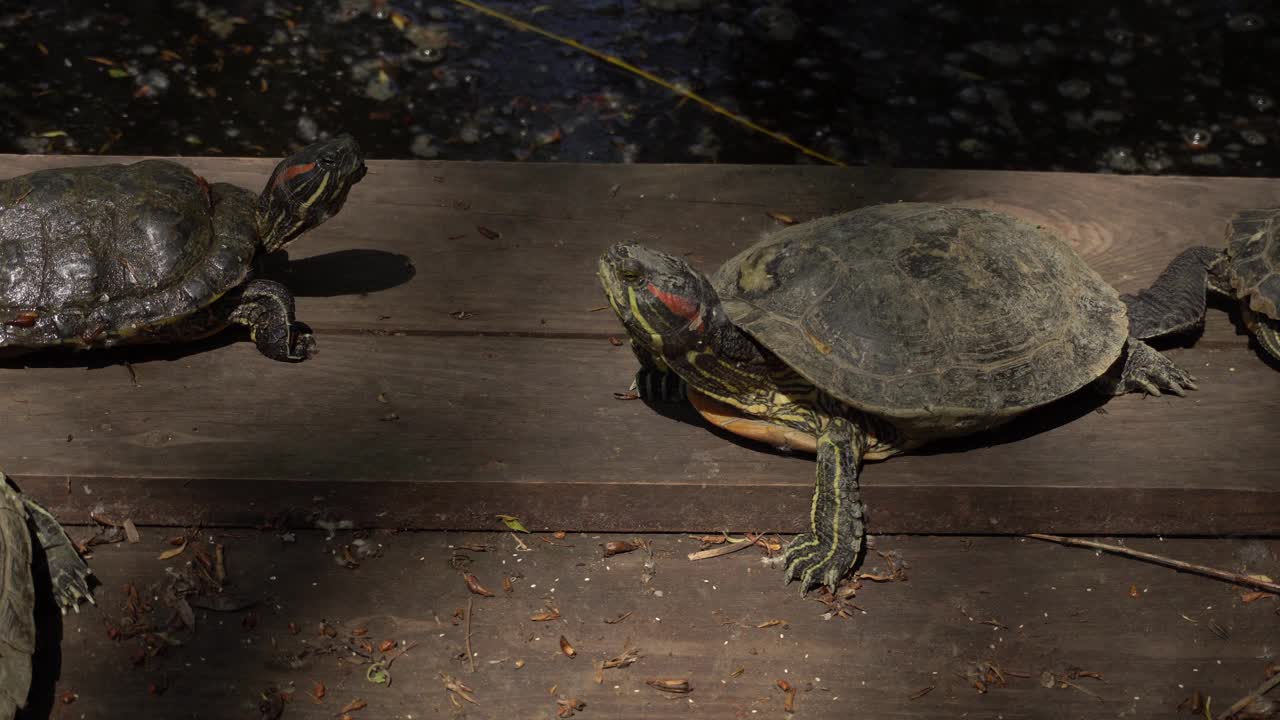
column 443, row 432
column 537, row 276
column 1052, row 608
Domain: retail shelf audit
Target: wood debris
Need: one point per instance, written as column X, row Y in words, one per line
column 676, row 686
column 788, row 696
column 566, row 648
column 566, row 707
column 473, row 584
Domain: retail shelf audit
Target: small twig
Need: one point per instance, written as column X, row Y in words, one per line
column 470, row 657
column 1257, row 694
column 729, row 547
column 519, row 543
column 1228, row 576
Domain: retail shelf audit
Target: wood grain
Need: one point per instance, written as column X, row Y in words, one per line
column 441, row 432
column 1026, row 607
column 412, row 417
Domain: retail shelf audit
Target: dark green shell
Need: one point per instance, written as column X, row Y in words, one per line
column 948, row 316
column 101, row 255
column 1253, row 246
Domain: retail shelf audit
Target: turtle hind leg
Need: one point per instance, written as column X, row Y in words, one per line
column 68, row 572
column 837, row 524
column 1142, row 368
column 1176, row 301
column 266, row 308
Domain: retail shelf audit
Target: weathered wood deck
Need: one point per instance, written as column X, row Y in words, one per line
column 509, row 408
column 414, row 417
column 970, row 609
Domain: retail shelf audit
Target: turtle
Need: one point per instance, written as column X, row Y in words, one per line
column 1246, row 270
column 150, row 252
column 865, row 334
column 27, row 528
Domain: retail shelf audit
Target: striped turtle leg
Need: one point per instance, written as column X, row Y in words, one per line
column 654, row 382
column 67, row 570
column 836, row 517
column 1266, row 330
column 266, row 308
column 1142, row 369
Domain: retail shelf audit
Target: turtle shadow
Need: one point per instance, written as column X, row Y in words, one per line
column 1231, row 307
column 345, row 272
column 46, row 664
column 102, row 358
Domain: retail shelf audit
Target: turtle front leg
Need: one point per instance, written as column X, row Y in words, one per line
column 67, row 570
column 266, row 308
column 836, row 518
column 1143, row 369
column 654, row 381
column 1176, row 301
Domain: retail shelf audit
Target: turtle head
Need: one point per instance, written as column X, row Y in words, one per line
column 666, row 306
column 308, row 188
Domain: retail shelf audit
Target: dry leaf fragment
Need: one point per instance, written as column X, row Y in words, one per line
column 354, row 705
column 615, row 341
column 386, row 646
column 519, row 664
column 131, row 531
column 628, row 657
column 671, row 686
column 788, row 696
column 68, row 697
column 1255, row 595
column 317, row 690
column 474, row 586
column 327, row 630
column 620, row 618
column 491, row 234
column 566, row 648
column 566, row 707
column 772, row 623
column 359, row 632
column 559, row 534
column 506, row 584
column 783, row 218
column 617, row 547
column 738, row 672
column 294, row 629
column 513, row 522
column 546, row 615
column 173, row 552
column 920, row 693
column 1133, row 592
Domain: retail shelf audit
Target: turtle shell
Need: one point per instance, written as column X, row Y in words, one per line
column 17, row 603
column 1253, row 246
column 952, row 317
column 93, row 255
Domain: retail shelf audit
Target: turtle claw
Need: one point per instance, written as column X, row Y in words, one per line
column 1147, row 371
column 814, row 562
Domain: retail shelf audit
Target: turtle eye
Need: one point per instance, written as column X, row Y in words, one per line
column 329, row 158
column 630, row 272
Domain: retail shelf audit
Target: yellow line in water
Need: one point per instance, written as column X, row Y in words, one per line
column 619, row 62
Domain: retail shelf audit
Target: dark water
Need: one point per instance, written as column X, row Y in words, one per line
column 1150, row 86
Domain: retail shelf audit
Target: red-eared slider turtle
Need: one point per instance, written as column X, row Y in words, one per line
column 149, row 252
column 862, row 335
column 1248, row 270
column 21, row 522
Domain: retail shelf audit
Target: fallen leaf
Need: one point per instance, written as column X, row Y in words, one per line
column 568, row 706
column 474, row 585
column 772, row 623
column 788, row 696
column 671, row 686
column 386, row 646
column 317, row 690
column 117, row 73
column 566, row 648
column 131, row 531
column 783, row 218
column 513, row 522
column 617, row 547
column 519, row 664
column 101, row 60
column 354, row 705
column 1255, row 595
column 546, row 616
column 1133, row 592
column 173, row 552
column 507, row 587
column 559, row 534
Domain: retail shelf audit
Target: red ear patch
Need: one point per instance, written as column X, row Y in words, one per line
column 681, row 306
column 292, row 172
